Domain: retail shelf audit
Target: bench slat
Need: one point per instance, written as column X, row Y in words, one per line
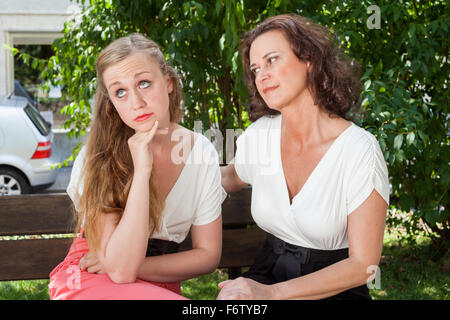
column 52, row 213
column 31, row 259
column 36, row 258
column 35, row 214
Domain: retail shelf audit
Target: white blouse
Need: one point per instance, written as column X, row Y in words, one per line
column 343, row 179
column 195, row 199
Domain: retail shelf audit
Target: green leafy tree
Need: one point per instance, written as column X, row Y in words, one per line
column 402, row 47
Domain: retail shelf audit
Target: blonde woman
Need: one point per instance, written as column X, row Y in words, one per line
column 139, row 186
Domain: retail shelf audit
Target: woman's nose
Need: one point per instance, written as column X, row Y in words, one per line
column 136, row 100
column 262, row 75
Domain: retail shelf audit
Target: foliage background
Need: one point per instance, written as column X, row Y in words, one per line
column 405, row 76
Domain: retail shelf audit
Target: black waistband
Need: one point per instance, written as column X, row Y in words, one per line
column 158, row 247
column 280, row 261
column 305, row 255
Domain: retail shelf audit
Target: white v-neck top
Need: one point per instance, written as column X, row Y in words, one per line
column 343, row 179
column 195, row 199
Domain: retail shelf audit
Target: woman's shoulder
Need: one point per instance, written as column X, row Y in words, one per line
column 265, row 122
column 203, row 150
column 261, row 129
column 360, row 137
column 362, row 144
column 79, row 160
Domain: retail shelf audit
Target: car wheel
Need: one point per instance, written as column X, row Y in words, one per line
column 12, row 183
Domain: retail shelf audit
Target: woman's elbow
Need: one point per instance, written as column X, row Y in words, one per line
column 214, row 265
column 212, row 262
column 122, row 276
column 367, row 271
column 121, row 279
column 215, row 262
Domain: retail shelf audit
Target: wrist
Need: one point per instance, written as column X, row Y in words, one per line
column 144, row 172
column 275, row 290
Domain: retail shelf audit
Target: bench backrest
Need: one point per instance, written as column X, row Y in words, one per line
column 52, row 214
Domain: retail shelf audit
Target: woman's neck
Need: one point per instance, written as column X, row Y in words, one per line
column 161, row 142
column 303, row 121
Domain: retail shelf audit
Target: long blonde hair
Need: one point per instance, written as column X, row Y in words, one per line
column 108, row 166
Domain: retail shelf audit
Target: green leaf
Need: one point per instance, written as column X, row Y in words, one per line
column 398, row 141
column 366, row 85
column 423, row 136
column 410, row 138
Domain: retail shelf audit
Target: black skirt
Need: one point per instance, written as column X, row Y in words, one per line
column 280, row 261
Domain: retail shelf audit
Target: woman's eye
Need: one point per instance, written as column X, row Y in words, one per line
column 120, row 93
column 255, row 70
column 144, row 84
column 272, row 59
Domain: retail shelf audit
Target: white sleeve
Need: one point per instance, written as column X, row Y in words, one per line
column 213, row 194
column 368, row 172
column 75, row 187
column 244, row 159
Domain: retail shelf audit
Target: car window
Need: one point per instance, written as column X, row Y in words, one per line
column 19, row 90
column 37, row 120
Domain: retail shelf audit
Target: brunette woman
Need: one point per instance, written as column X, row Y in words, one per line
column 319, row 182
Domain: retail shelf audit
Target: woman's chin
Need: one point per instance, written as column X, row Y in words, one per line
column 274, row 106
column 144, row 126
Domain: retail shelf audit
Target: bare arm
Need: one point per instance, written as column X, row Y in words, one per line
column 202, row 259
column 365, row 234
column 121, row 263
column 114, row 254
column 230, row 180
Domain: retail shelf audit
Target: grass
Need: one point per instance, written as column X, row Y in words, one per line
column 411, row 271
column 408, row 270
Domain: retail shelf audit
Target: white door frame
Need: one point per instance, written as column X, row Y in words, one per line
column 18, row 38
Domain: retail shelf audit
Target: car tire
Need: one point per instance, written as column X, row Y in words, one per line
column 12, row 182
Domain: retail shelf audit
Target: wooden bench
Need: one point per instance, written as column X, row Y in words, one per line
column 46, row 214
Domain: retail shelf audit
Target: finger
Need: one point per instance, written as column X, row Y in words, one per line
column 224, row 283
column 82, row 264
column 94, row 268
column 88, row 262
column 228, row 295
column 152, row 132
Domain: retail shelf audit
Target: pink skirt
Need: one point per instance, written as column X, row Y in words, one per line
column 68, row 282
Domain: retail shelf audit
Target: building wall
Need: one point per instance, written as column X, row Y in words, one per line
column 29, row 22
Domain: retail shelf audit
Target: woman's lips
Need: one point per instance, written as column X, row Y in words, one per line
column 268, row 89
column 143, row 117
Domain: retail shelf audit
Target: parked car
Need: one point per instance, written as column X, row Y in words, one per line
column 20, row 91
column 25, row 148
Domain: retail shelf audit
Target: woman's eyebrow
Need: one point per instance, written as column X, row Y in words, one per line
column 264, row 56
column 139, row 73
column 114, row 83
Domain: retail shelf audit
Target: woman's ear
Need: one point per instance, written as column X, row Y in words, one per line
column 169, row 84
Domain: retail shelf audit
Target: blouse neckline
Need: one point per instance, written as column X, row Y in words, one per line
column 316, row 168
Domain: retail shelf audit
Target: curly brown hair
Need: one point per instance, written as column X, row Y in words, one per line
column 332, row 78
